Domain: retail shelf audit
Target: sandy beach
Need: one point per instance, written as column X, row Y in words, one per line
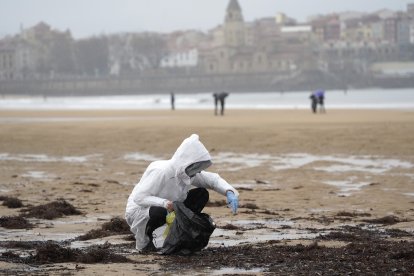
column 298, row 170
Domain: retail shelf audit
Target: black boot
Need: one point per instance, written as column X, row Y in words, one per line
column 150, row 247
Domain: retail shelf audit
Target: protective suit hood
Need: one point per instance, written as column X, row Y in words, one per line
column 189, row 152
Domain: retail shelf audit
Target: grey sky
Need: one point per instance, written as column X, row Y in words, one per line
column 94, row 17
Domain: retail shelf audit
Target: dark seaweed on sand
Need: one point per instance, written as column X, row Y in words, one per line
column 51, row 252
column 249, row 206
column 117, row 226
column 360, row 256
column 230, row 226
column 355, row 233
column 11, row 202
column 52, row 210
column 387, row 220
column 15, row 222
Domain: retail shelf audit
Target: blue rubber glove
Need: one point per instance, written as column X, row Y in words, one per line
column 232, row 201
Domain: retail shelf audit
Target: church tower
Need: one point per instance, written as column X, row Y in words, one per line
column 234, row 27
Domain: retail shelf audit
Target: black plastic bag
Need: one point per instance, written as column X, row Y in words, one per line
column 189, row 233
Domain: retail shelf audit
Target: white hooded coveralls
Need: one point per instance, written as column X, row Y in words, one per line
column 166, row 180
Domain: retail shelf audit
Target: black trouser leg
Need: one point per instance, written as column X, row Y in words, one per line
column 156, row 219
column 196, row 199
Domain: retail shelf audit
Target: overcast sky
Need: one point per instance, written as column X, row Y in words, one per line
column 93, row 17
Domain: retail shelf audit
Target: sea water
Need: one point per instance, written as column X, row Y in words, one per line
column 336, row 99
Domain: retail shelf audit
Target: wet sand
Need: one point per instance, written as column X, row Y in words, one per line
column 295, row 170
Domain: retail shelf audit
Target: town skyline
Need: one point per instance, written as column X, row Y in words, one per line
column 340, row 50
column 128, row 16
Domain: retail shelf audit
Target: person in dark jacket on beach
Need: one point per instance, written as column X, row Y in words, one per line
column 219, row 97
column 314, row 102
column 172, row 101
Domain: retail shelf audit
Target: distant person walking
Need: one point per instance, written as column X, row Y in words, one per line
column 219, row 97
column 172, row 101
column 320, row 94
column 314, row 102
column 215, row 95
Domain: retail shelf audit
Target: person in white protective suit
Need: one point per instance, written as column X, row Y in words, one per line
column 166, row 181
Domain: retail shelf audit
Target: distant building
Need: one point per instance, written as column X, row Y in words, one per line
column 216, row 37
column 385, row 13
column 403, row 30
column 355, row 56
column 363, row 28
column 252, row 47
column 412, row 32
column 399, row 69
column 7, row 63
column 327, row 28
column 302, row 32
column 410, row 10
column 264, row 31
column 234, row 27
column 391, row 29
column 181, row 59
column 15, row 60
column 183, row 48
column 283, row 20
column 377, row 29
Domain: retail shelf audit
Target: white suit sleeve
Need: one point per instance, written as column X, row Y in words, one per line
column 212, row 181
column 148, row 189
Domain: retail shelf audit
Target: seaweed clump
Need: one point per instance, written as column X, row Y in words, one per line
column 15, row 222
column 51, row 252
column 11, row 202
column 116, row 226
column 387, row 220
column 230, row 226
column 51, row 210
